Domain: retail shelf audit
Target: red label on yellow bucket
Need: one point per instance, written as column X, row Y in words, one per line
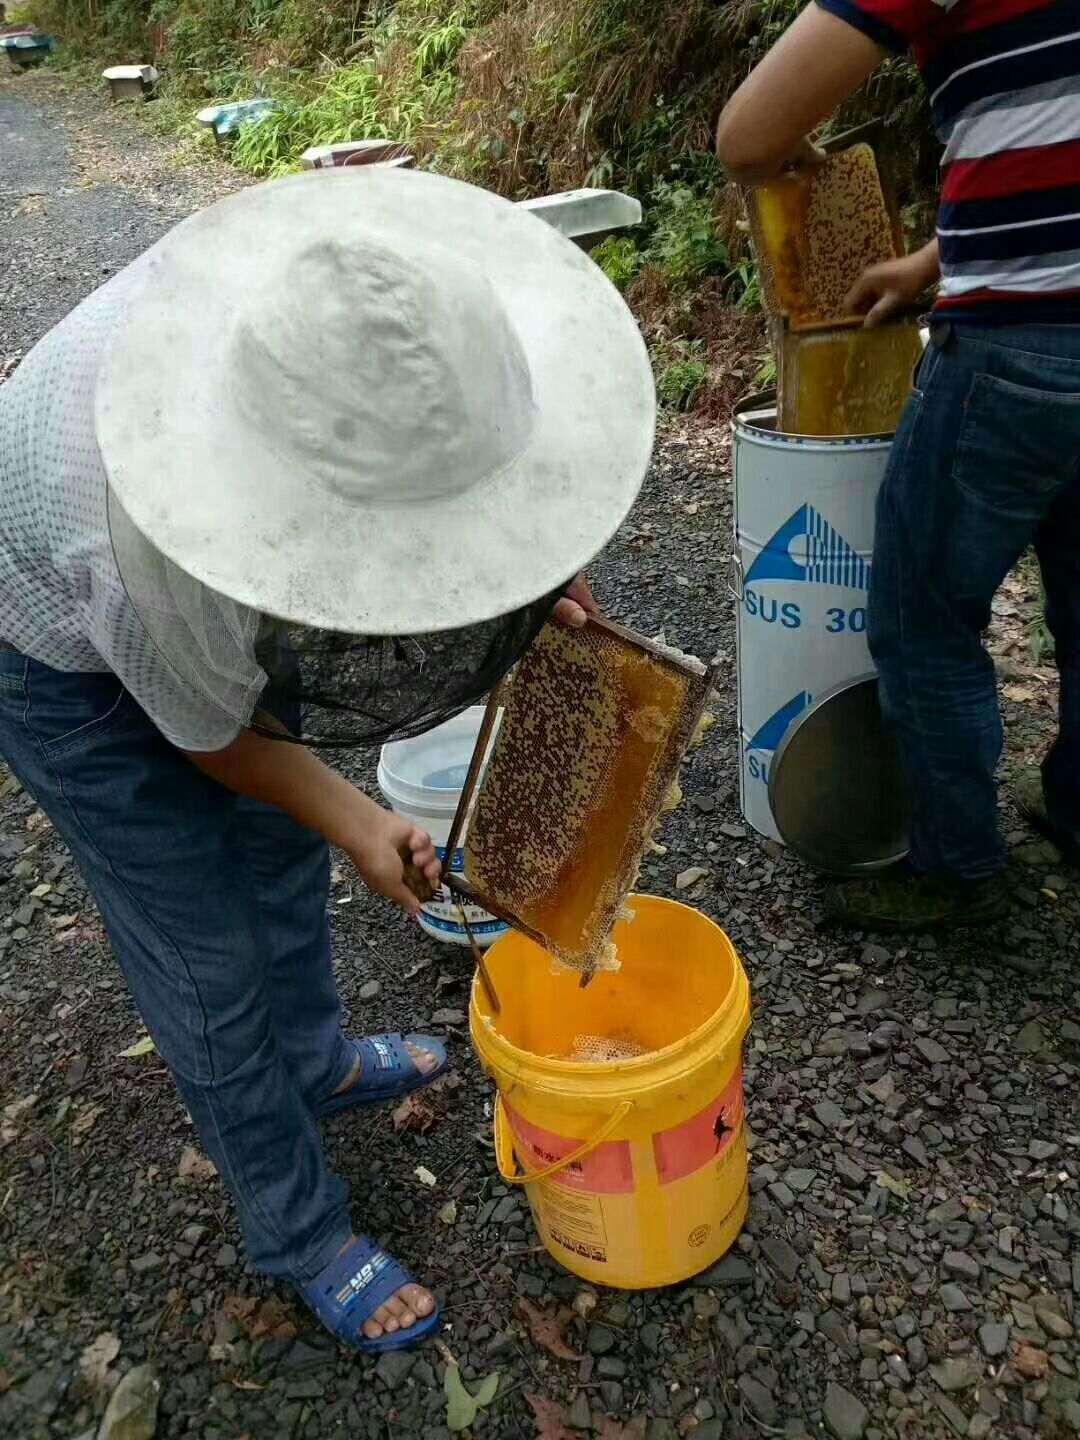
column 702, row 1138
column 607, row 1170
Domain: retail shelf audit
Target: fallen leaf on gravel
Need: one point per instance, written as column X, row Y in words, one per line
column 145, row 1046
column 415, row 1113
column 226, row 1333
column 462, row 1406
column 262, row 1322
column 902, row 1188
column 448, row 1213
column 424, row 1175
column 1019, row 692
column 132, row 1411
column 95, row 1360
column 85, row 1120
column 548, row 1415
column 585, row 1303
column 194, row 1166
column 272, row 1322
column 19, row 1107
column 248, row 1385
column 613, row 1430
column 690, row 876
column 548, row 1327
column 1030, row 1361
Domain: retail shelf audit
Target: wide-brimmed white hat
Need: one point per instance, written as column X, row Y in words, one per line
column 377, row 401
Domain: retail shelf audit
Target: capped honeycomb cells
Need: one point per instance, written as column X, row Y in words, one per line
column 816, row 231
column 594, row 726
column 605, row 1049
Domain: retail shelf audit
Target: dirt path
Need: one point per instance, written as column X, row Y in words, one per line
column 911, row 1267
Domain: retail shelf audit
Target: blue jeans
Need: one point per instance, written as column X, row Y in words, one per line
column 216, row 908
column 986, row 462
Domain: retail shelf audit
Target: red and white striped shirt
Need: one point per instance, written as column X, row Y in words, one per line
column 1004, row 84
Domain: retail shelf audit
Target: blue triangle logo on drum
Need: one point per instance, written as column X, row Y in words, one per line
column 806, row 548
column 768, row 736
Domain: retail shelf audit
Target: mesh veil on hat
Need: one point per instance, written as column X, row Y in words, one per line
column 367, row 403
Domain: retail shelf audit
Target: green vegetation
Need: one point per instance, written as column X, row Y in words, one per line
column 522, row 96
column 682, row 372
column 526, row 96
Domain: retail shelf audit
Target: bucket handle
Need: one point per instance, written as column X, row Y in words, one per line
column 505, row 1156
column 735, row 578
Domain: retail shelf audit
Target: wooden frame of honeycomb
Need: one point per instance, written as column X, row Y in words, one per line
column 594, row 725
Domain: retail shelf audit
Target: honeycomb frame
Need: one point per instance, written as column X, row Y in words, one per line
column 553, row 728
column 801, row 277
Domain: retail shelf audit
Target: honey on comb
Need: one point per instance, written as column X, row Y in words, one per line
column 845, row 382
column 594, row 725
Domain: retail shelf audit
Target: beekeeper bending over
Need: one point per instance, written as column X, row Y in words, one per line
column 313, row 470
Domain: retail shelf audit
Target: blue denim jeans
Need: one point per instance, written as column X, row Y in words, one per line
column 216, row 908
column 986, row 462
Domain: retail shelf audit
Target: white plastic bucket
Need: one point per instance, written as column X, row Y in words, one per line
column 423, row 779
column 804, row 535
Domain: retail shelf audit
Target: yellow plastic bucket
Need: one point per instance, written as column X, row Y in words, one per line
column 635, row 1169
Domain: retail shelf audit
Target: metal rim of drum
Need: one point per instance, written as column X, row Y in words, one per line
column 856, row 785
column 765, row 400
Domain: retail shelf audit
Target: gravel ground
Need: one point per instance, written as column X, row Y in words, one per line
column 911, row 1265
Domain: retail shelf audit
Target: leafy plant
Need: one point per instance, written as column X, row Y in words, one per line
column 620, row 259
column 682, row 375
column 744, row 285
column 765, row 375
column 684, row 242
column 439, row 47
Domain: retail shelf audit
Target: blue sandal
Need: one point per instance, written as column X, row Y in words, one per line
column 387, row 1071
column 352, row 1287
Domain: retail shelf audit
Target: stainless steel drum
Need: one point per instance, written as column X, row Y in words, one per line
column 804, row 533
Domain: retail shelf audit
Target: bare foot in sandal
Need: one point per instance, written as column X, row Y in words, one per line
column 369, row 1301
column 386, row 1068
column 425, row 1061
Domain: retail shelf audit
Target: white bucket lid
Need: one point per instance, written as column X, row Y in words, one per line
column 146, row 73
column 585, row 212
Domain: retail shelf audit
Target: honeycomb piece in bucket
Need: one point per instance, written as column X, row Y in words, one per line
column 604, row 1049
column 846, row 381
column 594, row 726
column 816, row 231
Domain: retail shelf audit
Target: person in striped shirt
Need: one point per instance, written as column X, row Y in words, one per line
column 986, row 461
